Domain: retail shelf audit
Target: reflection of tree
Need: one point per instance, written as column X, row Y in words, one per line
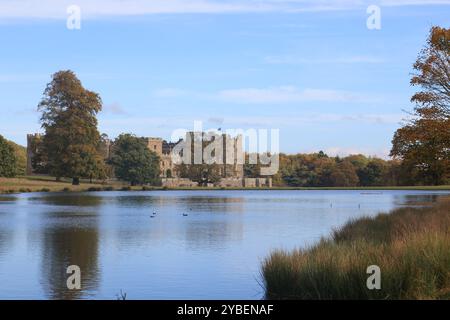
column 6, row 237
column 415, row 199
column 6, row 234
column 213, row 234
column 214, row 229
column 69, row 246
column 79, row 200
column 213, row 203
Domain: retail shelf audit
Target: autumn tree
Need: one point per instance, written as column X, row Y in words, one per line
column 423, row 144
column 71, row 140
column 343, row 174
column 8, row 159
column 133, row 161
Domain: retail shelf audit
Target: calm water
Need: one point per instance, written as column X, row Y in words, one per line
column 213, row 253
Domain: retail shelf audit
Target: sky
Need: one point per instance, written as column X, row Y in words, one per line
column 312, row 69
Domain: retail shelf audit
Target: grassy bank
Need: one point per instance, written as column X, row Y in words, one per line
column 45, row 183
column 411, row 246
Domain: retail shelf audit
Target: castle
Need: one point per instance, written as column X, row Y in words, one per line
column 230, row 164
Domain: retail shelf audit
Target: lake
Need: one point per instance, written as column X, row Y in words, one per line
column 199, row 245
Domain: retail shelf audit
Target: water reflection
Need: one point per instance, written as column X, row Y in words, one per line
column 213, row 235
column 416, row 200
column 64, row 199
column 113, row 238
column 63, row 247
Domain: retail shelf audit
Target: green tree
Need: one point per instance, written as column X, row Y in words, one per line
column 8, row 159
column 71, row 141
column 423, row 144
column 374, row 173
column 133, row 161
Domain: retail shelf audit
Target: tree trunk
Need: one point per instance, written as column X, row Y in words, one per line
column 75, row 181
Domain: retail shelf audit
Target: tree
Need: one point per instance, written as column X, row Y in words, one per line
column 424, row 142
column 433, row 75
column 133, row 161
column 8, row 159
column 200, row 173
column 71, row 141
column 344, row 174
column 374, row 173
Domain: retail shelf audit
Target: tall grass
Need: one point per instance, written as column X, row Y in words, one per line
column 411, row 246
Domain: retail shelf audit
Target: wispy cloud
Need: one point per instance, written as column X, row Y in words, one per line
column 290, row 94
column 170, row 92
column 269, row 95
column 56, row 9
column 23, row 78
column 313, row 118
column 255, row 121
column 346, row 151
column 292, row 59
column 413, row 2
column 114, row 108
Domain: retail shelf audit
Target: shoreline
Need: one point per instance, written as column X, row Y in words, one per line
column 408, row 246
column 46, row 184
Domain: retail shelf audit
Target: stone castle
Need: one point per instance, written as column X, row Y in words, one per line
column 231, row 170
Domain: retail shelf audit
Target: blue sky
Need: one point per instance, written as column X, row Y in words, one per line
column 310, row 68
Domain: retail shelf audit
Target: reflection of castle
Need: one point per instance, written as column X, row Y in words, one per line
column 231, row 159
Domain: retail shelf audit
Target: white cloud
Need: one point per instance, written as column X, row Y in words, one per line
column 56, row 9
column 289, row 94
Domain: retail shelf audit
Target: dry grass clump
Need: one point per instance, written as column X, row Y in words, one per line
column 411, row 246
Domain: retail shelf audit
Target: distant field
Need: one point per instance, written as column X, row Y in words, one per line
column 37, row 184
column 45, row 183
column 447, row 187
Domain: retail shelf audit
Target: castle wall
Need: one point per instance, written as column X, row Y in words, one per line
column 230, row 183
column 178, row 182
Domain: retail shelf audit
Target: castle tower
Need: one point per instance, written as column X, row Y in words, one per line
column 155, row 145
